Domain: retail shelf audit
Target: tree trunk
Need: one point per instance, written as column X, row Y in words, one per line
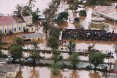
column 33, row 62
column 95, row 68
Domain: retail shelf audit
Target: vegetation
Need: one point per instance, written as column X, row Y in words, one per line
column 82, row 13
column 55, row 32
column 18, row 10
column 71, row 46
column 35, row 53
column 96, row 58
column 53, row 42
column 46, row 27
column 18, row 41
column 16, row 51
column 74, row 59
column 97, row 2
column 57, row 62
column 63, row 16
column 0, row 50
column 73, row 4
column 35, row 16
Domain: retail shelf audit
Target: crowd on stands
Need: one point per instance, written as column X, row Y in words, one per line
column 99, row 35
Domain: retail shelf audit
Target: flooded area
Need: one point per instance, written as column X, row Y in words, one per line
column 45, row 72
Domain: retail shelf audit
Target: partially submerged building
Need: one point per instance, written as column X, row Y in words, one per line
column 108, row 12
column 16, row 24
column 98, row 23
column 32, row 36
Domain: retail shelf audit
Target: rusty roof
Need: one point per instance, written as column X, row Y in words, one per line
column 7, row 20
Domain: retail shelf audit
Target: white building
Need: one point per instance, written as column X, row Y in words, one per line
column 16, row 24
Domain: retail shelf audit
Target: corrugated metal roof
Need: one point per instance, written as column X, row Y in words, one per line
column 32, row 35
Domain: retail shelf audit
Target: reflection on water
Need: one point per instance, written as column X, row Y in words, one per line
column 87, row 20
column 45, row 72
column 74, row 74
column 94, row 75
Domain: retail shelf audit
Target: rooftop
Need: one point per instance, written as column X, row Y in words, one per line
column 10, row 20
column 32, row 35
column 7, row 20
column 107, row 11
column 7, row 68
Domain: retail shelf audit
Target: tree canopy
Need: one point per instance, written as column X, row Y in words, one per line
column 71, row 46
column 82, row 13
column 96, row 58
column 63, row 16
column 74, row 59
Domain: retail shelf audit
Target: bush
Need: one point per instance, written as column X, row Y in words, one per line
column 82, row 13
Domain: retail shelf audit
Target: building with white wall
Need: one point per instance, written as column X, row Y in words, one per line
column 16, row 24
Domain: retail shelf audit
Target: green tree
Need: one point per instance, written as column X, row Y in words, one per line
column 71, row 46
column 26, row 10
column 18, row 40
column 45, row 27
column 74, row 60
column 22, row 10
column 63, row 16
column 57, row 62
column 55, row 32
column 97, row 2
column 56, row 55
column 73, row 4
column 35, row 16
column 35, row 53
column 82, row 13
column 96, row 58
column 55, row 68
column 16, row 51
column 53, row 42
column 31, row 3
column 18, row 10
column 0, row 49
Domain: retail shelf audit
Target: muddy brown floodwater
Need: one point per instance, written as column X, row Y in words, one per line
column 45, row 72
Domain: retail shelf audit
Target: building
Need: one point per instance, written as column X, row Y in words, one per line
column 98, row 23
column 16, row 24
column 32, row 36
column 108, row 12
column 9, row 70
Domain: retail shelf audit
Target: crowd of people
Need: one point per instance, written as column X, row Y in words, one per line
column 99, row 35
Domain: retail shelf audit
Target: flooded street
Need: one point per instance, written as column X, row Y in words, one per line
column 45, row 72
